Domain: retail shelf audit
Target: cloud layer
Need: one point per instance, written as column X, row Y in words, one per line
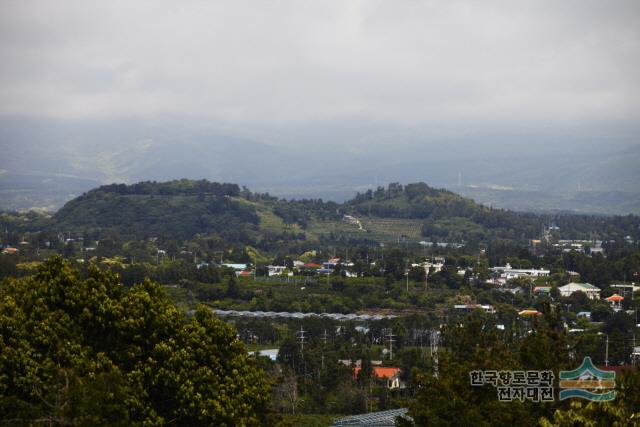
column 287, row 61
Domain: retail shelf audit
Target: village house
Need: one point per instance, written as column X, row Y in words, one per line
column 390, row 376
column 277, row 270
column 437, row 265
column 625, row 289
column 592, row 292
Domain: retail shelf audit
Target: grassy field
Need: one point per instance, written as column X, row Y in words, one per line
column 272, row 222
column 391, row 229
column 316, row 228
column 386, row 230
column 268, row 220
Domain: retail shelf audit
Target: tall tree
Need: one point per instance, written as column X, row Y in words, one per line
column 92, row 352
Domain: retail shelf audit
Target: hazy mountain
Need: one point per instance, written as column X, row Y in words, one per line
column 47, row 162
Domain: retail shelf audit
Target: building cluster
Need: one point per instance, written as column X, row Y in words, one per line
column 346, row 267
column 587, row 246
column 500, row 275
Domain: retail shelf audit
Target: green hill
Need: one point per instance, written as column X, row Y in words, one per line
column 180, row 210
column 175, row 209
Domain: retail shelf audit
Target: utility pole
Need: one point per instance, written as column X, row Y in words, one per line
column 300, row 335
column 435, row 340
column 606, row 357
column 301, row 339
column 255, row 266
column 390, row 340
column 426, row 280
column 407, row 274
column 324, row 344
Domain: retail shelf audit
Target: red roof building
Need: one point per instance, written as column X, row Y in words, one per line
column 390, row 374
column 615, row 300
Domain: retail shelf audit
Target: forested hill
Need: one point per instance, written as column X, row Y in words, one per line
column 447, row 216
column 444, row 215
column 182, row 209
column 175, row 209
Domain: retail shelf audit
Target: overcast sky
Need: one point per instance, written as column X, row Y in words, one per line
column 280, row 62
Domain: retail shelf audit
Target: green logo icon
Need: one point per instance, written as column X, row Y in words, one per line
column 588, row 382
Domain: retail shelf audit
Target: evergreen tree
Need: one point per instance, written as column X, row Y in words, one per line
column 92, row 352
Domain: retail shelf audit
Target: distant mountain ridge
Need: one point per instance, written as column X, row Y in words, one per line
column 46, row 163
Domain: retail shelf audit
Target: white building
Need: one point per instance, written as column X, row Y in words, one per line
column 626, row 290
column 276, row 270
column 470, row 307
column 437, row 265
column 237, row 267
column 507, row 272
column 592, row 292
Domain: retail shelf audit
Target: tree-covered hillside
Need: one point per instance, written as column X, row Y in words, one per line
column 228, row 215
column 175, row 209
column 446, row 216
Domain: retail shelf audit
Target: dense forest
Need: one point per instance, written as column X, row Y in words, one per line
column 180, row 210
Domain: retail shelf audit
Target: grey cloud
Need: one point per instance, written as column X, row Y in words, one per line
column 281, row 62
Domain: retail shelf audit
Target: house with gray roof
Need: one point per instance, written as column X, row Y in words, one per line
column 592, row 292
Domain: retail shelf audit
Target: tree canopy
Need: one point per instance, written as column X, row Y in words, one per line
column 93, row 352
